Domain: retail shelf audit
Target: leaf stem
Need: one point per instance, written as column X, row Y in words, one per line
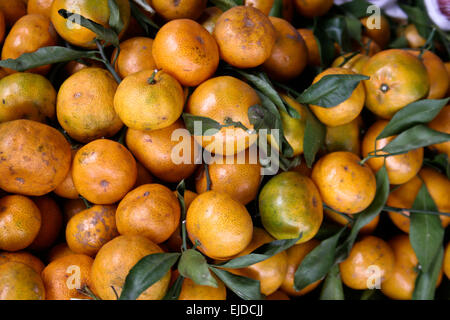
column 402, row 210
column 106, row 61
column 347, row 217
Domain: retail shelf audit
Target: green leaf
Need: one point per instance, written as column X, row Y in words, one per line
column 332, row 287
column 317, row 263
column 144, row 21
column 331, row 90
column 354, row 27
column 208, row 125
column 181, row 188
column 245, row 288
column 277, row 9
column 439, row 162
column 358, row 8
column 336, row 29
column 425, row 232
column 399, row 43
column 415, row 137
column 106, row 34
column 324, row 42
column 44, row 56
column 313, row 139
column 418, row 112
column 115, row 21
column 149, row 270
column 419, row 18
column 425, row 286
column 262, row 253
column 145, row 5
column 174, row 291
column 193, row 265
column 223, row 5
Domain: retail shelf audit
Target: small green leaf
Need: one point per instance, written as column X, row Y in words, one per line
column 399, row 43
column 207, row 125
column 354, row 27
column 193, row 265
column 115, row 21
column 44, row 56
column 336, row 29
column 277, row 9
column 181, row 188
column 332, row 287
column 149, row 270
column 324, row 42
column 439, row 162
column 331, row 90
column 313, row 139
column 174, row 291
column 418, row 112
column 358, row 8
column 425, row 285
column 245, row 288
column 224, row 5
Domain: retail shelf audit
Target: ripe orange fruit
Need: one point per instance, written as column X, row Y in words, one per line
column 344, row 184
column 35, row 157
column 347, row 110
column 20, row 282
column 222, row 225
column 145, row 104
column 71, row 207
column 103, row 171
column 266, row 5
column 312, row 47
column 63, row 276
column 380, row 34
column 209, row 18
column 400, row 168
column 23, row 257
column 397, row 78
column 13, row 10
column 355, row 64
column 415, row 40
column 245, row 37
column 170, row 10
column 447, row 67
column 345, row 137
column 441, row 123
column 89, row 230
column 313, row 8
column 367, row 46
column 135, row 55
column 76, row 65
column 192, row 291
column 66, row 189
column 290, row 204
column 143, row 176
column 338, row 218
column 43, row 7
column 371, row 261
column 114, row 261
column 59, row 251
column 222, row 99
column 447, row 261
column 2, row 27
column 295, row 255
column 187, row 51
column 289, row 54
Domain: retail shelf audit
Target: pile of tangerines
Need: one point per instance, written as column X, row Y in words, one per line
column 94, row 206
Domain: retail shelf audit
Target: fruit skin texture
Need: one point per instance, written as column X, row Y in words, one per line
column 43, row 7
column 441, row 123
column 23, row 257
column 347, row 110
column 221, row 99
column 290, row 204
column 28, row 34
column 356, row 64
column 397, row 78
column 97, row 11
column 114, row 261
column 62, row 272
column 103, row 171
column 187, row 51
column 209, row 18
column 26, row 95
column 245, row 37
column 59, row 251
column 313, row 8
column 295, row 255
column 170, row 10
column 222, row 225
column 400, row 168
column 135, row 55
column 13, row 10
column 35, row 157
column 266, row 5
column 344, row 138
column 344, row 184
column 271, row 272
column 192, row 291
column 20, row 282
column 447, row 261
column 369, row 251
column 85, row 105
column 66, row 189
column 151, row 210
column 89, row 230
column 289, row 54
column 149, row 106
column 312, row 46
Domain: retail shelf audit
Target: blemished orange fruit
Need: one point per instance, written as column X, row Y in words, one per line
column 312, row 46
column 209, row 18
column 29, row 33
column 85, row 105
column 43, row 7
column 400, row 168
column 441, row 123
column 345, row 137
column 289, row 54
column 66, row 189
column 89, row 230
column 59, row 251
column 356, row 63
column 151, row 210
column 400, row 285
column 63, row 276
column 20, row 282
column 52, row 221
column 26, row 95
column 245, row 37
column 20, row 221
column 278, row 295
column 415, row 40
column 224, row 99
column 192, row 291
column 157, row 151
column 187, row 51
column 380, row 34
column 222, row 225
column 239, row 176
column 437, row 74
column 370, row 262
column 97, row 11
column 13, row 10
column 290, row 204
column 397, row 78
column 114, row 261
column 2, row 27
column 104, row 171
column 295, row 255
column 347, row 110
column 135, row 55
column 313, row 8
column 71, row 207
column 344, row 184
column 447, row 261
column 271, row 272
column 23, row 257
column 179, row 9
column 149, row 100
